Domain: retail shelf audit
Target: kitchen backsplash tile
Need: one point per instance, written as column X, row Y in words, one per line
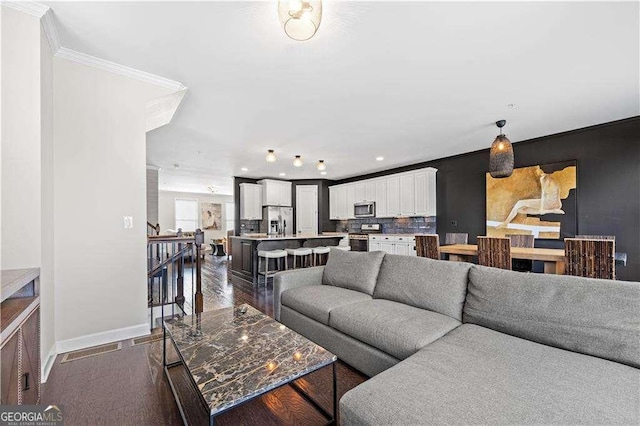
column 249, row 226
column 404, row 225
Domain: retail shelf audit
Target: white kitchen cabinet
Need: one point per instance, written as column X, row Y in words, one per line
column 381, row 198
column 361, row 194
column 276, row 192
column 393, row 196
column 338, row 202
column 351, row 200
column 333, row 203
column 400, row 195
column 403, row 245
column 250, row 201
column 407, row 195
column 370, row 190
column 425, row 192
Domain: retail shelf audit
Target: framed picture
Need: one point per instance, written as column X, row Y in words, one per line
column 211, row 216
column 539, row 200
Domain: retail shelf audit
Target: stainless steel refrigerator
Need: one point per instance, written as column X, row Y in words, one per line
column 277, row 221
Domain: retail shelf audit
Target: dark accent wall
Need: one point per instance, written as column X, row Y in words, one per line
column 608, row 193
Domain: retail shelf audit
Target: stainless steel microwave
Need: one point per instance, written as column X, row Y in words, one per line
column 365, row 209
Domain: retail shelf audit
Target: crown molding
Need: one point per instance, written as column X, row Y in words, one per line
column 50, row 30
column 92, row 61
column 32, row 8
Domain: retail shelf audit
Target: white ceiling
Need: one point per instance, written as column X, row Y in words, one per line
column 409, row 81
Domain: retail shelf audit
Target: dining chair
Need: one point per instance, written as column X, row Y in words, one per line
column 456, row 238
column 494, row 252
column 591, row 258
column 428, row 245
column 521, row 240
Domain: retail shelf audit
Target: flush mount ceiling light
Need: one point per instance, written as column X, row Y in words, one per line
column 297, row 162
column 501, row 155
column 321, row 166
column 271, row 156
column 300, row 18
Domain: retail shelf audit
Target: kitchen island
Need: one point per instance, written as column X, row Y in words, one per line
column 244, row 250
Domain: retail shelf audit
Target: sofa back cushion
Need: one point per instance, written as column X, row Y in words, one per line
column 353, row 270
column 585, row 315
column 436, row 285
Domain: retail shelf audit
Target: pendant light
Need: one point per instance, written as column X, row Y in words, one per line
column 297, row 162
column 501, row 155
column 300, row 18
column 271, row 156
column 321, row 166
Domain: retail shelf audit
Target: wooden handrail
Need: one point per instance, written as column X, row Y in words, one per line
column 153, row 228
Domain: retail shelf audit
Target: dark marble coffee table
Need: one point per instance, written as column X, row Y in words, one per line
column 233, row 355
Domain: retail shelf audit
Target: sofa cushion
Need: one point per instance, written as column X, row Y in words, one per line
column 595, row 317
column 353, row 270
column 395, row 328
column 316, row 301
column 474, row 375
column 436, row 285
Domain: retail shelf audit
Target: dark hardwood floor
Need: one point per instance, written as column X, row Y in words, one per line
column 128, row 386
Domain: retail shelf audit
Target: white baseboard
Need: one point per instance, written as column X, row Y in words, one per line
column 102, row 338
column 48, row 363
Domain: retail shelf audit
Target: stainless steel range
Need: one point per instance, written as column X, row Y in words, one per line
column 359, row 241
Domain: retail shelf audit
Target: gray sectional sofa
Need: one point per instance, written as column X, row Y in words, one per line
column 455, row 343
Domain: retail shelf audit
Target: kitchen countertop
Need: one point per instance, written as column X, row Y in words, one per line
column 264, row 237
column 392, row 235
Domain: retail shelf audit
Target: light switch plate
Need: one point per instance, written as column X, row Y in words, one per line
column 128, row 222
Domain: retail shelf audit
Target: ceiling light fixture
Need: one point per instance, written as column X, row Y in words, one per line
column 321, row 166
column 271, row 156
column 297, row 162
column 501, row 155
column 379, row 158
column 300, row 18
column 323, row 173
column 282, row 174
column 244, row 169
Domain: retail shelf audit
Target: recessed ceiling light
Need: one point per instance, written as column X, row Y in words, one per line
column 380, row 158
column 244, row 169
column 282, row 174
column 511, row 105
column 323, row 173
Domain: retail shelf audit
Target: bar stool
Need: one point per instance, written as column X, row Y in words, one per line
column 271, row 254
column 318, row 252
column 343, row 248
column 303, row 253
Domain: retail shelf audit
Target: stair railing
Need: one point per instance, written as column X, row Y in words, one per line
column 174, row 268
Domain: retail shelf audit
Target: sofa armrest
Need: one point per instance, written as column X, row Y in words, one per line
column 285, row 280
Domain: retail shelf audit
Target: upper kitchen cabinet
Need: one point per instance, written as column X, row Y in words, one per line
column 276, row 193
column 398, row 195
column 425, row 192
column 250, row 201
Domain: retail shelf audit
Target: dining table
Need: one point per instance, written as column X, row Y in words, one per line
column 553, row 258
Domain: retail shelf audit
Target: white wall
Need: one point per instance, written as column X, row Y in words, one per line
column 167, row 216
column 47, row 288
column 21, row 213
column 99, row 177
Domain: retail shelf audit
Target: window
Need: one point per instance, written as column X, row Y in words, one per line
column 186, row 214
column 230, row 215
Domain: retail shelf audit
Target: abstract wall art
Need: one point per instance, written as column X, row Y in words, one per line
column 538, row 200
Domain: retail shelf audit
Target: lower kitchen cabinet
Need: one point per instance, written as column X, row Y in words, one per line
column 404, row 245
